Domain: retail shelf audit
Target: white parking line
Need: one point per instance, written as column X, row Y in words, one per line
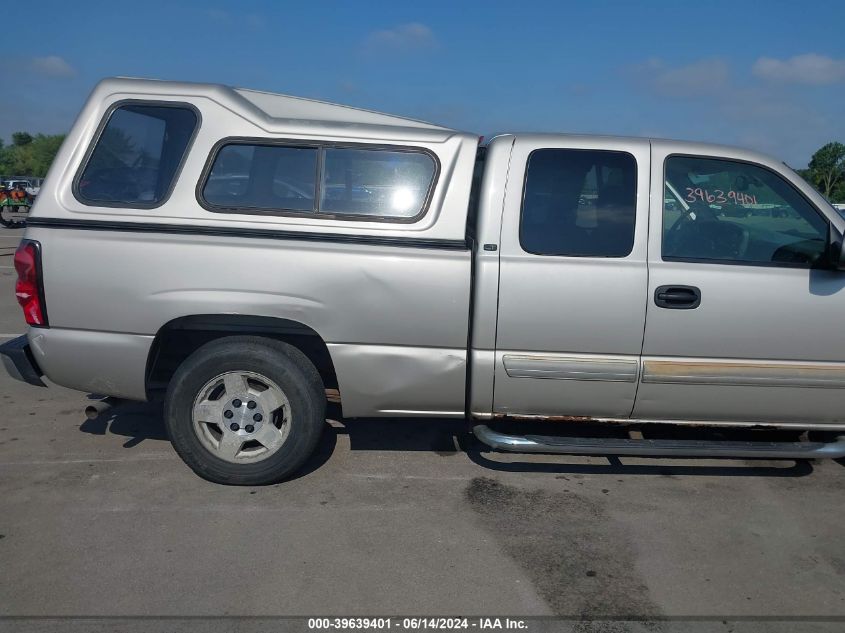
column 9, row 335
column 419, row 477
column 47, row 462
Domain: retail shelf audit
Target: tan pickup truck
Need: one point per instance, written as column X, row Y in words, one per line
column 237, row 253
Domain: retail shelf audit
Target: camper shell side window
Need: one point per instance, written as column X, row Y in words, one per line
column 347, row 182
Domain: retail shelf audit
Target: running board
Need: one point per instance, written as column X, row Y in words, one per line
column 655, row 448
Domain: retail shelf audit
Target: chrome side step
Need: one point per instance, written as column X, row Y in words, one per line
column 656, row 448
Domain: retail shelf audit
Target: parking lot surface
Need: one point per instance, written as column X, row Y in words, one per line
column 101, row 518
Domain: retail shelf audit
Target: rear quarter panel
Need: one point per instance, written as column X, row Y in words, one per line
column 394, row 318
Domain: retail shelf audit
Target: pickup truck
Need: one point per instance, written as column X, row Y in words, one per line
column 237, row 253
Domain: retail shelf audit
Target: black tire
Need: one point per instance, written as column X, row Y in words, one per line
column 285, row 365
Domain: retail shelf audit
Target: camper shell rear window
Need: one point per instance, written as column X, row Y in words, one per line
column 137, row 154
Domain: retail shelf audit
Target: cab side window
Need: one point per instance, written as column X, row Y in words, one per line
column 579, row 203
column 737, row 213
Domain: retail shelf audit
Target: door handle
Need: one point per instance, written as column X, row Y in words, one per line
column 677, row 297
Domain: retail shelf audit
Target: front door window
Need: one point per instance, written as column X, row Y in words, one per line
column 737, row 213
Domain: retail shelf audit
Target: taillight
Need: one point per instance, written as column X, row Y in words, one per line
column 29, row 289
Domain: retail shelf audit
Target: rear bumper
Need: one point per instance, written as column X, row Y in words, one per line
column 19, row 362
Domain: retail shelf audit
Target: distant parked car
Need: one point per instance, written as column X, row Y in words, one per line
column 27, row 185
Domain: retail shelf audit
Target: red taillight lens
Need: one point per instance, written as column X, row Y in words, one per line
column 28, row 286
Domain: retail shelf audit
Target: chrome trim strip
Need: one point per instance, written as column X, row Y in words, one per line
column 424, row 413
column 744, row 373
column 248, row 232
column 607, row 369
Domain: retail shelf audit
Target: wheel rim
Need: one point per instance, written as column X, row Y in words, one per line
column 241, row 417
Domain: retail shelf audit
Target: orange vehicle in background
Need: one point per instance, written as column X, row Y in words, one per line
column 14, row 205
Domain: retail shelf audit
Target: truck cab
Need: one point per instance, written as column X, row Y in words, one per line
column 654, row 280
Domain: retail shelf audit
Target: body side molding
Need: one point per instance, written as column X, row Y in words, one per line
column 273, row 234
column 762, row 373
column 571, row 367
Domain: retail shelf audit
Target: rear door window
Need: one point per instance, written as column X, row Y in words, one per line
column 137, row 156
column 579, row 203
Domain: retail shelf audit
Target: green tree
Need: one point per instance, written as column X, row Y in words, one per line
column 29, row 155
column 827, row 169
column 21, row 138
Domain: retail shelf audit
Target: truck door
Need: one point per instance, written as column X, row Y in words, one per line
column 573, row 277
column 744, row 319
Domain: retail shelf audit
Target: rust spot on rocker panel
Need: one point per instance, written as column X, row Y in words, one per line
column 634, row 422
column 556, row 418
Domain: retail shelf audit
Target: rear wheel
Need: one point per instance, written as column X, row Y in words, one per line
column 245, row 410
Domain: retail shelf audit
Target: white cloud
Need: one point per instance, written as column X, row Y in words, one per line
column 348, row 86
column 253, row 21
column 413, row 36
column 705, row 100
column 218, row 15
column 50, row 66
column 812, row 69
column 703, row 77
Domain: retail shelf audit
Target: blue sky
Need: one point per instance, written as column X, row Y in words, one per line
column 769, row 75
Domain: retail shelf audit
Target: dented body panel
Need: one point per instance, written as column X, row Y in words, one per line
column 356, row 297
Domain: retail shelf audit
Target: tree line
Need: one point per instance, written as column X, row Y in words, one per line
column 826, row 171
column 30, row 155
